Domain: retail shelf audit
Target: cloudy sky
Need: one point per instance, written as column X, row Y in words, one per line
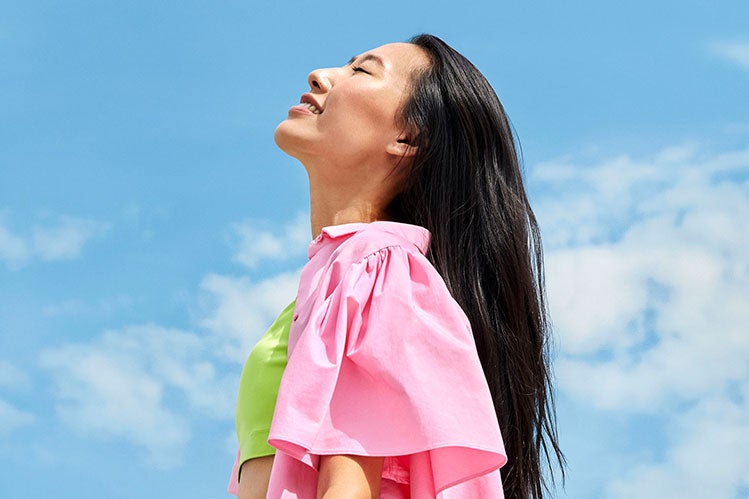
column 150, row 230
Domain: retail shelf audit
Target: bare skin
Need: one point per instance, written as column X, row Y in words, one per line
column 349, row 477
column 254, row 477
column 340, row 476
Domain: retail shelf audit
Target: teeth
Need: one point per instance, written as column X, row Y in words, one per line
column 311, row 107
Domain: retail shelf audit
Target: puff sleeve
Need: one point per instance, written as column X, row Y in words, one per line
column 386, row 365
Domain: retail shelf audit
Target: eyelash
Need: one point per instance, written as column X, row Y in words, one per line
column 358, row 68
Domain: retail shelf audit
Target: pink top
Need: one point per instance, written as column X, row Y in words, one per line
column 382, row 362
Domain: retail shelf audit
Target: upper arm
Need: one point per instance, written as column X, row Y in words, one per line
column 349, row 477
column 254, row 477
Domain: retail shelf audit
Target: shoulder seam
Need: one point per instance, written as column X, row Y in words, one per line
column 378, row 250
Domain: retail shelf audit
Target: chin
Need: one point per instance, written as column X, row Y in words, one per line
column 288, row 138
column 284, row 139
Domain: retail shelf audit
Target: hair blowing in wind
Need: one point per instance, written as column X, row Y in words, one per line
column 466, row 187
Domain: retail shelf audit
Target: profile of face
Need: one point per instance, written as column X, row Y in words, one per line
column 349, row 120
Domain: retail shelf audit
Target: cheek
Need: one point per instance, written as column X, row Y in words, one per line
column 365, row 121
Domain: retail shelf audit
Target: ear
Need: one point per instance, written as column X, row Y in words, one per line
column 403, row 146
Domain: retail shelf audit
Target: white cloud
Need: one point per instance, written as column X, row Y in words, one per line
column 146, row 383
column 12, row 418
column 240, row 310
column 253, row 245
column 136, row 383
column 708, row 459
column 648, row 279
column 62, row 239
column 74, row 307
column 118, row 385
column 13, row 249
column 230, row 443
column 12, row 377
column 656, row 279
column 735, row 52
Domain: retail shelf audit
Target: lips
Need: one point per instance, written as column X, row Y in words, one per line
column 311, row 103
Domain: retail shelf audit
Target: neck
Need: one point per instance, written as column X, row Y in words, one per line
column 336, row 206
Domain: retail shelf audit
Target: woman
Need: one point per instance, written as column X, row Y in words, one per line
column 420, row 324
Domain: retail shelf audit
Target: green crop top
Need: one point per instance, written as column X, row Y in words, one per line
column 258, row 388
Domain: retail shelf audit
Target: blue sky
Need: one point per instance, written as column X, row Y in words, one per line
column 150, row 230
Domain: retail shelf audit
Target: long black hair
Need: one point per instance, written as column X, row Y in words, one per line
column 465, row 185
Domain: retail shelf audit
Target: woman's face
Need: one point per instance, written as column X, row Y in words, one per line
column 349, row 117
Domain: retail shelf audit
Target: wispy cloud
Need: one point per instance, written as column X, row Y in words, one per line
column 118, row 385
column 12, row 418
column 734, row 52
column 239, row 309
column 648, row 277
column 61, row 239
column 253, row 244
column 709, row 457
column 12, row 377
column 14, row 250
column 146, row 383
column 668, row 240
column 75, row 307
column 141, row 382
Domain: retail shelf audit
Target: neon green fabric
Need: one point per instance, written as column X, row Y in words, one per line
column 258, row 388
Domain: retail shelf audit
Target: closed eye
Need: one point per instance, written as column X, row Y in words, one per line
column 359, row 69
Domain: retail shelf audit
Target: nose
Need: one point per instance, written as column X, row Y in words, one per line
column 320, row 79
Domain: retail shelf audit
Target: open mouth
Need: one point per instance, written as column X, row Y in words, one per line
column 311, row 107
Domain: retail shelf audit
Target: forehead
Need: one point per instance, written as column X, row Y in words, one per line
column 400, row 57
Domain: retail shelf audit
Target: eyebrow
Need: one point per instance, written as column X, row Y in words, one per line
column 367, row 57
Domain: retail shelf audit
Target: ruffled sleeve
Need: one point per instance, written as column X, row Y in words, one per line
column 386, row 365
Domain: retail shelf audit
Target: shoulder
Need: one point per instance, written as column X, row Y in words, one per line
column 393, row 265
column 352, row 257
column 377, row 237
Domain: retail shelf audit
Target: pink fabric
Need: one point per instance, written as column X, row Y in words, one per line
column 382, row 362
column 233, row 487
